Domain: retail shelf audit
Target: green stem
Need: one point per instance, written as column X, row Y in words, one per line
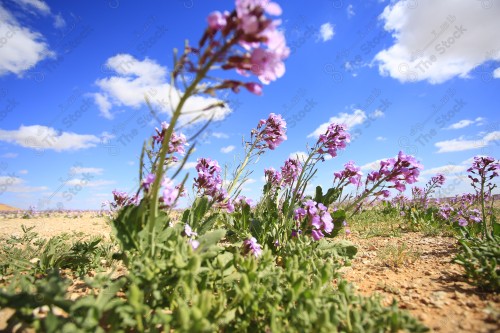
column 365, row 195
column 483, row 180
column 164, row 149
column 240, row 169
column 299, row 180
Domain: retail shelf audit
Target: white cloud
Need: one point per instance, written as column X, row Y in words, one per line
column 496, row 73
column 23, row 172
column 301, row 155
column 80, row 170
column 350, row 11
column 132, row 80
column 377, row 114
column 493, row 136
column 42, row 137
column 10, row 180
column 190, row 165
column 445, row 170
column 59, row 21
column 462, row 144
column 104, row 105
column 380, row 138
column 38, row 5
column 88, row 183
column 375, row 165
column 227, row 149
column 250, row 181
column 220, row 135
column 350, row 119
column 466, row 122
column 459, row 144
column 22, row 48
column 326, row 31
column 466, row 38
column 14, row 184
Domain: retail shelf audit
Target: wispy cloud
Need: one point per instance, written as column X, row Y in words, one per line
column 461, row 144
column 89, row 183
column 220, row 135
column 326, row 31
column 466, row 122
column 357, row 117
column 42, row 137
column 350, row 11
column 300, row 155
column 81, row 170
column 227, row 149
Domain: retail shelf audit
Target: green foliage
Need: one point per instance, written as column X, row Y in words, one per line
column 479, row 258
column 195, row 215
column 31, row 253
column 329, row 198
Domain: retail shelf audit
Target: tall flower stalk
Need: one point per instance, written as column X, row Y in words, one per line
column 481, row 173
column 245, row 40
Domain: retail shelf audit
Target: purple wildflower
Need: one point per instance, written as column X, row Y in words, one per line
column 208, row 181
column 177, row 142
column 351, row 172
column 170, row 192
column 216, row 20
column 317, row 216
column 148, row 180
column 273, row 177
column 272, row 131
column 335, row 138
column 290, row 171
column 250, row 245
column 462, row 222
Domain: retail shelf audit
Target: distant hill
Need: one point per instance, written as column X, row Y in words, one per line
column 8, row 208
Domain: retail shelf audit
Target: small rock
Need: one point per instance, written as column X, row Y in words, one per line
column 470, row 304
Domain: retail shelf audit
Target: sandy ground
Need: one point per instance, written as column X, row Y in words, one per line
column 431, row 287
column 51, row 226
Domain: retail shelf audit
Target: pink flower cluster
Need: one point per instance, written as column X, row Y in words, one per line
column 272, row 131
column 177, row 142
column 445, row 211
column 263, row 44
column 250, row 245
column 438, row 179
column 318, row 218
column 273, row 177
column 482, row 171
column 335, row 138
column 351, row 173
column 482, row 165
column 462, row 212
column 209, row 183
column 404, row 169
column 122, row 199
column 290, row 171
column 170, row 192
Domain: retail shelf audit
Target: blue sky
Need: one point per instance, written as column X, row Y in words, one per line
column 413, row 76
